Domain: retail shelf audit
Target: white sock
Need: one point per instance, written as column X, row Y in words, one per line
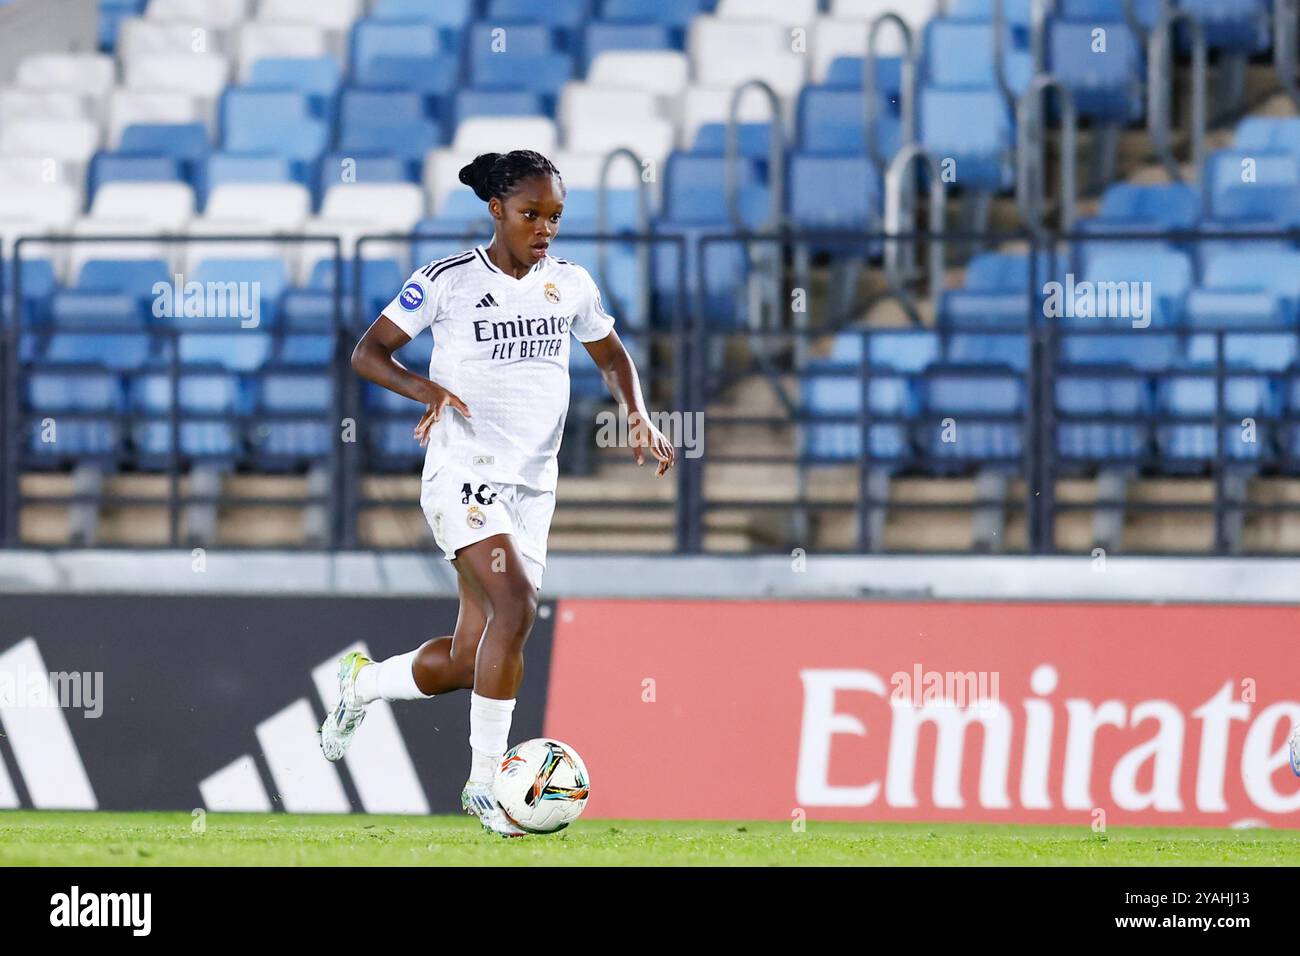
column 391, row 679
column 489, row 729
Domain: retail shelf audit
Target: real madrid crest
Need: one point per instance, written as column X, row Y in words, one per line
column 551, row 292
column 475, row 517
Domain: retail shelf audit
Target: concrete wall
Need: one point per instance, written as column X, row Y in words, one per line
column 45, row 26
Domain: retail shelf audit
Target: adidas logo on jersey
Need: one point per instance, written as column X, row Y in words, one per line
column 487, row 302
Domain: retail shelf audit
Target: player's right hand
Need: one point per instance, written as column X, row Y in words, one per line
column 440, row 399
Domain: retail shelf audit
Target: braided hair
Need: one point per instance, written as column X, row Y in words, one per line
column 497, row 174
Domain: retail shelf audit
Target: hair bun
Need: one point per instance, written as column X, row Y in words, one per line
column 475, row 174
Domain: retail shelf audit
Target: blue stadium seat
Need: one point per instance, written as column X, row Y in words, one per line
column 959, row 54
column 973, row 128
column 1154, row 207
column 1168, row 272
column 846, row 72
column 88, row 389
column 394, row 120
column 202, row 439
column 1242, row 25
column 444, row 13
column 674, row 13
column 1273, row 195
column 1264, row 351
column 285, row 437
column 222, row 168
column 115, row 350
column 982, row 348
column 361, row 167
column 271, row 121
column 1106, row 85
column 1144, row 349
column 131, row 167
column 1196, row 396
column 602, row 36
column 1215, row 308
column 621, row 210
column 39, row 283
column 237, row 350
column 469, row 103
column 318, row 77
column 530, row 60
column 834, row 192
column 411, row 54
column 1269, row 134
column 1082, row 396
column 75, row 309
column 566, row 15
column 130, row 276
column 985, row 406
column 270, row 276
column 185, row 142
column 753, row 140
column 305, row 349
column 833, row 121
column 827, row 390
column 694, row 191
column 900, row 351
column 1258, row 270
column 74, row 440
column 198, row 390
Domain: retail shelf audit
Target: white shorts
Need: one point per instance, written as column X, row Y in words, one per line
column 462, row 508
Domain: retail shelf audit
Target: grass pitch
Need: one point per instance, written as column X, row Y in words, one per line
column 46, row 838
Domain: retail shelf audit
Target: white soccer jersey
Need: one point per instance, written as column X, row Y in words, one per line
column 502, row 345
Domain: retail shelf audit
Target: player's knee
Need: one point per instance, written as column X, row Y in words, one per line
column 514, row 616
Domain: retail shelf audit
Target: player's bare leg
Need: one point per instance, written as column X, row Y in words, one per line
column 495, row 569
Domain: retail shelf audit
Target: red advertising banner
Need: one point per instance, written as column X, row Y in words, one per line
column 1026, row 713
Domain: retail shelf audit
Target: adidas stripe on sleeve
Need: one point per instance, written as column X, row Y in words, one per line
column 421, row 300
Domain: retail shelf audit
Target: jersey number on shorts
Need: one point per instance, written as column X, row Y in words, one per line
column 466, row 491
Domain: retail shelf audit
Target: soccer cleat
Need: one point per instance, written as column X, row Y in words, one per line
column 342, row 723
column 478, row 800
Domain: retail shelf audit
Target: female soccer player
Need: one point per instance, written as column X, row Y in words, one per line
column 496, row 399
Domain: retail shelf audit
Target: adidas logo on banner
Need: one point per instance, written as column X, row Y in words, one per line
column 487, row 302
column 378, row 761
column 38, row 737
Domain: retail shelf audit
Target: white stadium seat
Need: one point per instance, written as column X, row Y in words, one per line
column 91, row 74
column 665, row 73
column 277, row 207
column 204, row 75
column 20, row 103
column 582, row 171
column 730, row 52
column 52, row 206
column 711, row 104
column 165, row 206
column 260, row 40
column 72, row 140
column 791, row 12
column 391, row 207
column 12, row 229
column 141, row 106
column 442, row 175
column 218, row 13
column 348, row 231
column 594, row 103
column 483, row 134
column 331, row 14
column 138, row 37
column 648, row 138
column 19, row 172
column 78, row 254
column 196, row 251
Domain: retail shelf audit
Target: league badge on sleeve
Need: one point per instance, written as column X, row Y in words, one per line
column 412, row 296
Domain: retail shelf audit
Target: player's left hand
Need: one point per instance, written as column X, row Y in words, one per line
column 642, row 434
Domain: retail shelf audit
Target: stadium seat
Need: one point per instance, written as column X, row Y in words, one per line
column 445, row 13
column 115, row 167
column 281, row 207
column 1105, row 85
column 726, row 53
column 271, row 121
column 408, row 54
column 1085, row 405
column 471, row 103
column 834, row 192
column 317, row 77
column 128, row 106
column 259, row 41
column 217, row 13
column 1246, row 185
column 202, row 76
column 330, row 14
column 830, row 390
column 90, row 74
column 391, row 207
column 984, row 407
column 18, row 104
column 972, row 127
column 71, row 140
column 166, row 206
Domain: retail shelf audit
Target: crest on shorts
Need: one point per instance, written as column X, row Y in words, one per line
column 551, row 292
column 475, row 517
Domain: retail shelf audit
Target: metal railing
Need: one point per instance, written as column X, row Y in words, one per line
column 1012, row 477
